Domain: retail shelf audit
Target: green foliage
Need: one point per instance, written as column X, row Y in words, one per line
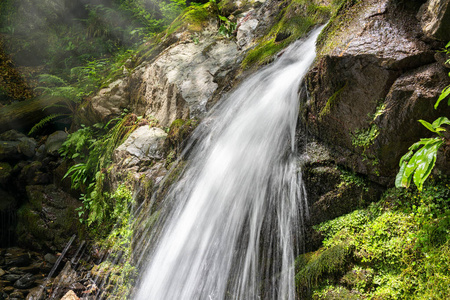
column 365, row 138
column 226, row 28
column 329, row 261
column 294, row 21
column 398, row 248
column 418, row 163
column 44, row 122
column 92, row 148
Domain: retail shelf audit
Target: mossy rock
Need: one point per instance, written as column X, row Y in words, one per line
column 179, row 131
column 48, row 220
column 294, row 21
column 194, row 19
column 312, row 268
column 5, row 173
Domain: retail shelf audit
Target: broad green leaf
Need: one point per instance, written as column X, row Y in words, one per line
column 429, row 126
column 223, row 18
column 398, row 178
column 440, row 121
column 426, row 159
column 405, row 158
column 444, row 94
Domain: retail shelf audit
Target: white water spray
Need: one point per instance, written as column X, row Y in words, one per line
column 229, row 229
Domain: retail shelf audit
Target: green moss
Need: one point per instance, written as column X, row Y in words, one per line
column 31, row 223
column 179, row 131
column 400, row 249
column 364, row 138
column 325, row 262
column 293, row 22
column 330, row 37
column 331, row 102
column 193, row 19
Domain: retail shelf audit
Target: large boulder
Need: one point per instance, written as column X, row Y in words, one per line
column 434, row 18
column 358, row 79
column 143, row 146
column 186, row 77
column 15, row 146
column 48, row 220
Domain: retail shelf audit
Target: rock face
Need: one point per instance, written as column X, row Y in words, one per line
column 374, row 78
column 142, row 146
column 182, row 80
column 15, row 146
column 434, row 18
column 48, row 220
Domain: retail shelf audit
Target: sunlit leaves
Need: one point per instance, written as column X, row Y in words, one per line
column 418, row 163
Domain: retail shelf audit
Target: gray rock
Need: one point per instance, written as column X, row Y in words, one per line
column 54, row 142
column 11, row 277
column 70, row 295
column 434, row 18
column 16, row 145
column 48, row 219
column 16, row 295
column 411, row 97
column 180, row 82
column 245, row 31
column 50, row 258
column 112, row 100
column 25, row 282
column 143, row 145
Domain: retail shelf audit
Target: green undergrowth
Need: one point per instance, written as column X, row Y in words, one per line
column 398, row 248
column 295, row 20
column 194, row 18
column 90, row 149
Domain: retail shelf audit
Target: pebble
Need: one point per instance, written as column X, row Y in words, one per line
column 11, row 277
column 17, row 295
column 25, row 282
column 50, row 258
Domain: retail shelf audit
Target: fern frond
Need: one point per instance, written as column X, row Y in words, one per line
column 44, row 121
column 50, row 79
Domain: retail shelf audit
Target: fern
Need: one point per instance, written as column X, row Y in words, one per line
column 51, row 80
column 43, row 122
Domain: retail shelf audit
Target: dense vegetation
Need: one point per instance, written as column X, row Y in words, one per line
column 397, row 248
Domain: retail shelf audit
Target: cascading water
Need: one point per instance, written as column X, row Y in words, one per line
column 232, row 219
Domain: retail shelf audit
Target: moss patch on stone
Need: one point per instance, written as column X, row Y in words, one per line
column 330, row 36
column 322, row 263
column 193, row 19
column 331, row 102
column 179, row 131
column 293, row 22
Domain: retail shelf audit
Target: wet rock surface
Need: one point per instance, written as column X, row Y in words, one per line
column 186, row 77
column 48, row 220
column 373, row 58
column 69, row 277
column 434, row 18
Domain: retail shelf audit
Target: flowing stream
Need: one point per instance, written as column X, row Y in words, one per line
column 235, row 216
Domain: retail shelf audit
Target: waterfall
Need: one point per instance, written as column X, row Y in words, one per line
column 232, row 220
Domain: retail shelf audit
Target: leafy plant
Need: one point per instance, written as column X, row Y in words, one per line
column 227, row 28
column 420, row 160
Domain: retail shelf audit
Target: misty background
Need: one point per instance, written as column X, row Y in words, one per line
column 75, row 41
